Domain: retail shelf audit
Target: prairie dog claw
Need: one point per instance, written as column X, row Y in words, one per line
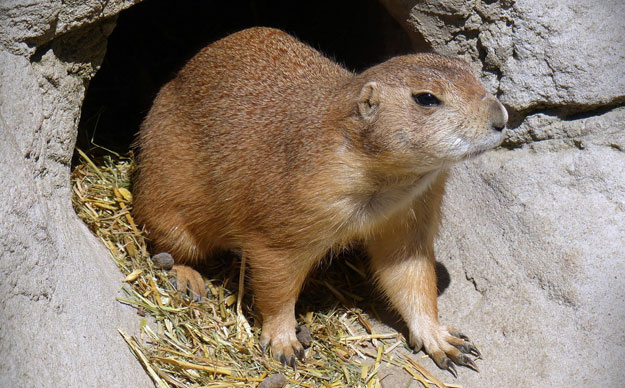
column 284, row 344
column 446, row 346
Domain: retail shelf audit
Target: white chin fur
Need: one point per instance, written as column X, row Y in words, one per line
column 460, row 148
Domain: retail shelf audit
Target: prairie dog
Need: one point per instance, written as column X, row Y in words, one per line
column 263, row 145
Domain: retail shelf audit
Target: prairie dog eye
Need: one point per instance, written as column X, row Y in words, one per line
column 426, row 99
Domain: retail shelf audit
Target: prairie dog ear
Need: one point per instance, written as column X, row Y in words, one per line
column 369, row 100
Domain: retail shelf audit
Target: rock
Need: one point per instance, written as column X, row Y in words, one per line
column 303, row 336
column 26, row 25
column 57, row 297
column 533, row 240
column 565, row 53
column 276, row 380
column 163, row 260
column 600, row 129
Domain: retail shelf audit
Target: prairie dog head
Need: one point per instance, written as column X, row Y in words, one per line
column 428, row 110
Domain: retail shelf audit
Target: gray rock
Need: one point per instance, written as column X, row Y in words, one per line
column 565, row 53
column 163, row 260
column 57, row 298
column 28, row 24
column 534, row 238
column 303, row 336
column 275, row 380
column 603, row 129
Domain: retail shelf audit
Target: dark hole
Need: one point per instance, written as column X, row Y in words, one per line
column 155, row 38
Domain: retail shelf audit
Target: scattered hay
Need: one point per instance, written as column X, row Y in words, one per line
column 210, row 343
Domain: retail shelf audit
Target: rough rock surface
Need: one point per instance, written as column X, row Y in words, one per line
column 58, row 315
column 533, row 232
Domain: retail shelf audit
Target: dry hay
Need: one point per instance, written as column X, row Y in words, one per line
column 211, row 343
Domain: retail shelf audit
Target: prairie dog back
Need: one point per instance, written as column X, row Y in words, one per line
column 220, row 114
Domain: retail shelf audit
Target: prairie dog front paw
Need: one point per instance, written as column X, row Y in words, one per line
column 280, row 335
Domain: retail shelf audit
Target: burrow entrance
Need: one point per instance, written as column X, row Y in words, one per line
column 154, row 39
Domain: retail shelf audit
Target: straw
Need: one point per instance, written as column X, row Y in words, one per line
column 214, row 342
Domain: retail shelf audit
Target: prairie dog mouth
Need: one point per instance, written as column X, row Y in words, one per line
column 492, row 141
column 463, row 149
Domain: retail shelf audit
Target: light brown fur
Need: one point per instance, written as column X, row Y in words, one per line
column 263, row 145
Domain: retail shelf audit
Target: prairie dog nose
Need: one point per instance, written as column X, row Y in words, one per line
column 497, row 114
